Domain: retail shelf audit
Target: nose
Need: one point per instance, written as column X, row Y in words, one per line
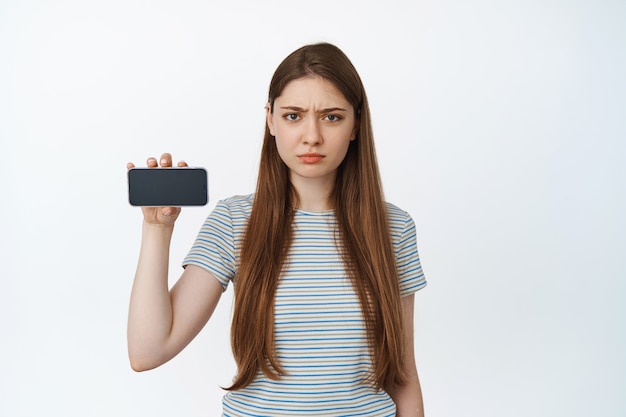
column 312, row 134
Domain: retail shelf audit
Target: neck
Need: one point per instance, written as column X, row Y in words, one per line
column 313, row 193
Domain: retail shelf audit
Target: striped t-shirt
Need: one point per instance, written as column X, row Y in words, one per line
column 321, row 340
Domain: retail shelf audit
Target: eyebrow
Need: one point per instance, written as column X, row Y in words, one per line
column 300, row 109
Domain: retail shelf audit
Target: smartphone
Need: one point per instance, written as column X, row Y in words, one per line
column 167, row 187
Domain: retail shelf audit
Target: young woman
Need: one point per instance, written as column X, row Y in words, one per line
column 324, row 271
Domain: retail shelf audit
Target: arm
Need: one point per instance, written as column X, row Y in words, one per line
column 162, row 322
column 408, row 397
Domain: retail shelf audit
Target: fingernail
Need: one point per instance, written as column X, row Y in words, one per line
column 164, row 161
column 167, row 213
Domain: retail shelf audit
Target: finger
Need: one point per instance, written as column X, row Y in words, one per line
column 182, row 164
column 152, row 162
column 130, row 165
column 166, row 160
column 169, row 211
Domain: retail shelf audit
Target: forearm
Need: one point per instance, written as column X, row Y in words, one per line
column 408, row 399
column 150, row 312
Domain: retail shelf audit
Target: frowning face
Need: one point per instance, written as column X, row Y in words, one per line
column 313, row 125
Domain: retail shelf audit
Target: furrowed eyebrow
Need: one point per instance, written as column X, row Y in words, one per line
column 300, row 109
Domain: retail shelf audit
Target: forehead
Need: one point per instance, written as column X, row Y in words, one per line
column 311, row 90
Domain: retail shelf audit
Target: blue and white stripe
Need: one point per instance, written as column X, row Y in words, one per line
column 321, row 340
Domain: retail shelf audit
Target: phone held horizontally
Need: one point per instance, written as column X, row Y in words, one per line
column 167, row 187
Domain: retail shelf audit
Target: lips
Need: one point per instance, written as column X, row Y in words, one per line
column 310, row 158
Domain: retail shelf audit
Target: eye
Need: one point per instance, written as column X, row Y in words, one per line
column 292, row 117
column 333, row 118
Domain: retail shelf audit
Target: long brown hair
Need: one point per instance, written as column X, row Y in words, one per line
column 360, row 209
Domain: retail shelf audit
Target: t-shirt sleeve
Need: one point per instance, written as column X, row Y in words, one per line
column 214, row 247
column 409, row 267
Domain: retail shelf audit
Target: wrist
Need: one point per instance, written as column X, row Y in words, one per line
column 157, row 230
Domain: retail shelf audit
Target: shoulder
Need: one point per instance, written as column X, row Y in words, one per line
column 403, row 234
column 239, row 200
column 231, row 212
column 237, row 204
column 395, row 211
column 396, row 215
column 400, row 222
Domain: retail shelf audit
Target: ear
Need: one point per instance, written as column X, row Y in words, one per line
column 270, row 119
column 354, row 131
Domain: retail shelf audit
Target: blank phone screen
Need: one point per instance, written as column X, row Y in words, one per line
column 167, row 187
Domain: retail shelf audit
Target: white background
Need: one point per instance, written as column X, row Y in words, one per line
column 500, row 128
